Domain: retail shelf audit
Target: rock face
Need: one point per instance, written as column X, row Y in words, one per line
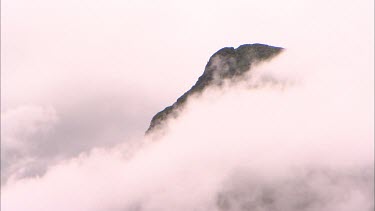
column 227, row 63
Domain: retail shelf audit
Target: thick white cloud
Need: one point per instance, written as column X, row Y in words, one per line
column 300, row 146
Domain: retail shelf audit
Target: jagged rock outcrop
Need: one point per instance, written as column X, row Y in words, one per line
column 227, row 63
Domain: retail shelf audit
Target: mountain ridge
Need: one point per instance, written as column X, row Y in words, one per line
column 227, row 63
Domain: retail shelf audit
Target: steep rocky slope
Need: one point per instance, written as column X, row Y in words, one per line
column 227, row 63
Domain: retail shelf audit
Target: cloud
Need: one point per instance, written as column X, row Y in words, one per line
column 18, row 126
column 233, row 148
column 25, row 121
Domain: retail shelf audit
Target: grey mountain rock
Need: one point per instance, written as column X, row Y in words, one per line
column 227, row 63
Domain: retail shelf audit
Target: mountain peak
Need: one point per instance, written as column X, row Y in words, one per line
column 227, row 63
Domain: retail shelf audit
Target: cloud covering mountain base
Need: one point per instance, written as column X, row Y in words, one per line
column 277, row 140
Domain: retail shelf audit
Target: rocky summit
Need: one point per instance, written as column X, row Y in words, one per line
column 226, row 64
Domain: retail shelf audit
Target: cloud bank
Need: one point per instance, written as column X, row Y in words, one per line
column 283, row 145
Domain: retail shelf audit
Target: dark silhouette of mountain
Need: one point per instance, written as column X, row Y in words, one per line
column 226, row 64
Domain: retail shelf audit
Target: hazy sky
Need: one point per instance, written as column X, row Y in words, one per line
column 78, row 75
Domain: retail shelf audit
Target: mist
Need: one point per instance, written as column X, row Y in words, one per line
column 294, row 134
